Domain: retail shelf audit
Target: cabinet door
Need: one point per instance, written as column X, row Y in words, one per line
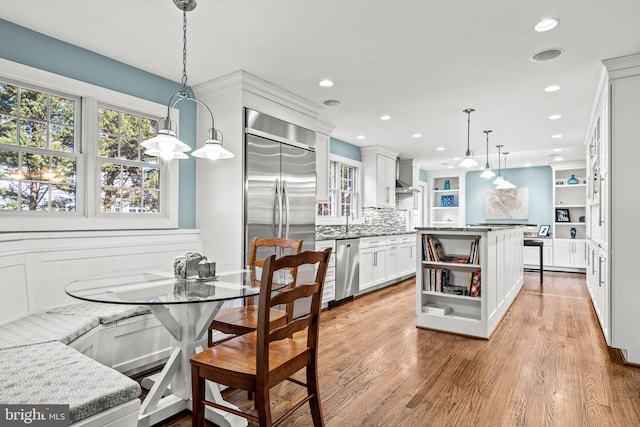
column 385, row 181
column 406, row 259
column 393, row 262
column 366, row 268
column 579, row 253
column 379, row 266
column 322, row 167
column 562, row 253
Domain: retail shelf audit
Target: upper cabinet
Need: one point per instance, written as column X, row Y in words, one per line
column 323, row 130
column 379, row 173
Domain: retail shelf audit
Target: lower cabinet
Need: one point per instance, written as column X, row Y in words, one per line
column 373, row 271
column 598, row 285
column 407, row 255
column 330, row 281
column 531, row 258
column 570, row 253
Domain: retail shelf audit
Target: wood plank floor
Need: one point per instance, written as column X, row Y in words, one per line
column 546, row 365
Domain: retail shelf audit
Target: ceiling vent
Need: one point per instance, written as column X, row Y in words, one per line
column 547, row 54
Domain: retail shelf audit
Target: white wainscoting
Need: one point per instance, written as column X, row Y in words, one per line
column 36, row 267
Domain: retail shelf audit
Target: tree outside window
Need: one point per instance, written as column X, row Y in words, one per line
column 343, row 194
column 38, row 150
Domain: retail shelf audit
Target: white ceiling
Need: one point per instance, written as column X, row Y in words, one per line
column 420, row 61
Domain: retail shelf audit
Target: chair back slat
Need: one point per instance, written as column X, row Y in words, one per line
column 289, row 295
column 290, row 328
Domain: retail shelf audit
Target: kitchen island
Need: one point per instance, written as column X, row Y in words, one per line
column 467, row 277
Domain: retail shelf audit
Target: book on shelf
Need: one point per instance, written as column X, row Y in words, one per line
column 432, row 249
column 431, row 308
column 435, row 279
column 474, row 284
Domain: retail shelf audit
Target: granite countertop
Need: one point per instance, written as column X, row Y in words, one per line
column 469, row 228
column 356, row 235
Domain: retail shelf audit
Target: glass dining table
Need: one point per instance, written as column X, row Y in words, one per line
column 185, row 307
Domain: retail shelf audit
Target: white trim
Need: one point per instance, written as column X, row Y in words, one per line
column 323, row 220
column 87, row 216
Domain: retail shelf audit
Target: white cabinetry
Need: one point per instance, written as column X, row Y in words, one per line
column 445, row 299
column 330, row 281
column 372, row 262
column 569, row 227
column 406, row 255
column 532, row 254
column 393, row 258
column 322, row 167
column 446, row 199
column 612, row 145
column 379, row 172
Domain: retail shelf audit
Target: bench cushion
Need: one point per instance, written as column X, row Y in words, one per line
column 45, row 327
column 107, row 313
column 52, row 373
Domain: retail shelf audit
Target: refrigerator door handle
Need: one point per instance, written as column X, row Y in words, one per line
column 285, row 194
column 277, row 208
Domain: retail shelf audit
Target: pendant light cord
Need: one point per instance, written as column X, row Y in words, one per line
column 184, row 50
column 487, row 132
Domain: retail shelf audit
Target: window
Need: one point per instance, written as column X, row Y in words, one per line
column 70, row 156
column 343, row 191
column 129, row 179
column 39, row 152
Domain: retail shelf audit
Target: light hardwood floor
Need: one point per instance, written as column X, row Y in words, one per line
column 546, row 365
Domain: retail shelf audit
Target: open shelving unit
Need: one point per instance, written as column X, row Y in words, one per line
column 459, row 289
column 570, row 252
column 446, row 199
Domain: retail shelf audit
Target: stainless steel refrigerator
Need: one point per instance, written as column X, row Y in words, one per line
column 280, row 182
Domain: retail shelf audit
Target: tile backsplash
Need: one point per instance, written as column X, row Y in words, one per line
column 376, row 221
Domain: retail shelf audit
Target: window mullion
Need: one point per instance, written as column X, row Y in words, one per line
column 90, row 154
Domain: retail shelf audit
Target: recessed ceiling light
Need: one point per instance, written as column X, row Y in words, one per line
column 552, row 88
column 547, row 24
column 416, row 135
column 457, row 159
column 556, row 136
column 558, row 159
column 526, row 165
column 385, row 117
column 360, row 137
column 332, row 102
column 440, row 148
column 325, row 83
column 555, row 116
column 557, row 150
column 547, row 54
column 449, row 167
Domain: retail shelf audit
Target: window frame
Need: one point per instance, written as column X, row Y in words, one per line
column 340, row 220
column 87, row 215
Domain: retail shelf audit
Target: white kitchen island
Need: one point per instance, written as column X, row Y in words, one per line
column 450, row 261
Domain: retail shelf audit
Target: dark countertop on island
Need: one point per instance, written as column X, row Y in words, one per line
column 357, row 235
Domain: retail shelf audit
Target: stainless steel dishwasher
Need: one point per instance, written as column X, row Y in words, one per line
column 347, row 270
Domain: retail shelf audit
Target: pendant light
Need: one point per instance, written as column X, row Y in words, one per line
column 499, row 179
column 468, row 161
column 506, row 185
column 487, row 172
column 166, row 143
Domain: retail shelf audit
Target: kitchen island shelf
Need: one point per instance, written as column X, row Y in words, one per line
column 491, row 283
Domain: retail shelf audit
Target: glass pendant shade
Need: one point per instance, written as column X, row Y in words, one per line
column 468, row 161
column 213, row 148
column 487, row 172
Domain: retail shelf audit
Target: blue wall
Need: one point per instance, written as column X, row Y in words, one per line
column 537, row 179
column 344, row 149
column 24, row 46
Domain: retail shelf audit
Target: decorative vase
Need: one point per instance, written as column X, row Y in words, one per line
column 573, row 180
column 447, row 184
column 573, row 232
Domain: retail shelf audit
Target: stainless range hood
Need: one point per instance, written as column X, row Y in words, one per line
column 406, row 177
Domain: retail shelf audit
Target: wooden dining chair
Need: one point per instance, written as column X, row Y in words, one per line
column 259, row 360
column 242, row 320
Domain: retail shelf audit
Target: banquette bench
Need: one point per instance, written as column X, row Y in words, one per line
column 39, row 364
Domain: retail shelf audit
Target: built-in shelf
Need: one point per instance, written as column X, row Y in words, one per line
column 452, row 264
column 444, row 294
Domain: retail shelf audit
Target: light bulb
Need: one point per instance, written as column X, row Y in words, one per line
column 213, row 155
column 166, row 155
